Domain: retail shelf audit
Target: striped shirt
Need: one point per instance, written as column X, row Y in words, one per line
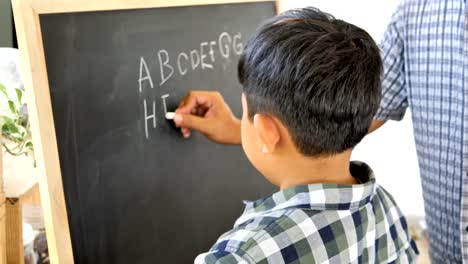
column 319, row 223
column 425, row 52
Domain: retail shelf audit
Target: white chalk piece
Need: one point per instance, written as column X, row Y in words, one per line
column 170, row 115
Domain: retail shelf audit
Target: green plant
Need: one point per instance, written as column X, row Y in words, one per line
column 15, row 125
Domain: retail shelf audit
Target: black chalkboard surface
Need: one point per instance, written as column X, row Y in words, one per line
column 135, row 190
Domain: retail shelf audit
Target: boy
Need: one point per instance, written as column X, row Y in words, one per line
column 311, row 86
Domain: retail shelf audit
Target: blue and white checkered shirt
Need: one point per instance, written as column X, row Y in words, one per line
column 425, row 53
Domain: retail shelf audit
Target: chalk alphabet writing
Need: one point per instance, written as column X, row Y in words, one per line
column 206, row 56
column 145, row 77
column 224, row 41
column 179, row 63
column 203, row 56
column 149, row 116
column 164, row 64
column 164, row 102
column 194, row 58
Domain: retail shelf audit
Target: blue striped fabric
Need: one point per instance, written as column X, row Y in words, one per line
column 425, row 53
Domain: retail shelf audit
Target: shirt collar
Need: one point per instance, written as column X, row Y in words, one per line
column 321, row 197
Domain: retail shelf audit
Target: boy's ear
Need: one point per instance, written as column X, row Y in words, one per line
column 267, row 132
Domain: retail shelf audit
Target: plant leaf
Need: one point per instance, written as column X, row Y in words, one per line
column 22, row 130
column 5, row 129
column 12, row 106
column 14, row 128
column 5, row 120
column 3, row 90
column 29, row 145
column 19, row 95
column 11, row 128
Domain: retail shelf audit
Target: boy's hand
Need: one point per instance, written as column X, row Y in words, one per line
column 208, row 113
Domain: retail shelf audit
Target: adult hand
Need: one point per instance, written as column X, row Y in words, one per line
column 208, row 113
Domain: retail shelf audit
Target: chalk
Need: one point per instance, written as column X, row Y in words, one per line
column 170, row 115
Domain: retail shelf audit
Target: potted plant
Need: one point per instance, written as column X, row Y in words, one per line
column 18, row 159
column 16, row 132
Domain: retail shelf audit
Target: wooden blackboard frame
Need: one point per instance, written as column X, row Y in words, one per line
column 29, row 35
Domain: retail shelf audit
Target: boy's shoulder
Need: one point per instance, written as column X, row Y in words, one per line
column 375, row 232
column 264, row 239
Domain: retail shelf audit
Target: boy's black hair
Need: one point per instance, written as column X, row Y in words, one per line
column 319, row 75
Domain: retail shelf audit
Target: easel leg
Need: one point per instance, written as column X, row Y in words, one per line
column 14, row 231
column 2, row 229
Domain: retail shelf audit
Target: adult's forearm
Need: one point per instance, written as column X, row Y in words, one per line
column 375, row 125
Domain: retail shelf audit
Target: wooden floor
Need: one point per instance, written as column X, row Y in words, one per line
column 420, row 238
column 423, row 247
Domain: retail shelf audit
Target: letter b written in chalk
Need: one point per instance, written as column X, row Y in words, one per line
column 165, row 68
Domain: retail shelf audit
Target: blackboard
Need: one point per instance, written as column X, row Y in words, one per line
column 135, row 190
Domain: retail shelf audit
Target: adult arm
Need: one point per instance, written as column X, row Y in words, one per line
column 376, row 124
column 394, row 100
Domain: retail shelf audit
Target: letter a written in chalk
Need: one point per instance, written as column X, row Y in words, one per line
column 144, row 75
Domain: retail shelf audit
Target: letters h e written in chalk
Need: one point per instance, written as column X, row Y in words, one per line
column 204, row 57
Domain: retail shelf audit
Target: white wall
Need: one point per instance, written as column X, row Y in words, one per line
column 390, row 151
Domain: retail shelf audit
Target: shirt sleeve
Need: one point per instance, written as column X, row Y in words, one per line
column 220, row 257
column 394, row 96
column 409, row 256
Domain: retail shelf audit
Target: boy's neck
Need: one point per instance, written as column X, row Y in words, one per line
column 304, row 170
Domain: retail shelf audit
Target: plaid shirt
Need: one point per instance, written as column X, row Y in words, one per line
column 425, row 55
column 319, row 223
